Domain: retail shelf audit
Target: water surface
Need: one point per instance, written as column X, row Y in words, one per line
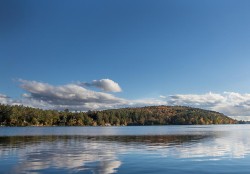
column 143, row 149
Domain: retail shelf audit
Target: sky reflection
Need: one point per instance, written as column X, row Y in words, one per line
column 108, row 154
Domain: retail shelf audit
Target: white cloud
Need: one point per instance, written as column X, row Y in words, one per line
column 229, row 103
column 203, row 100
column 162, row 96
column 104, row 84
column 246, row 118
column 145, row 102
column 74, row 97
column 78, row 97
column 70, row 96
column 4, row 99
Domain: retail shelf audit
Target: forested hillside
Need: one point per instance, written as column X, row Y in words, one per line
column 152, row 115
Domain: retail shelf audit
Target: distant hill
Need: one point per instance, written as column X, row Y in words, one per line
column 169, row 115
column 151, row 115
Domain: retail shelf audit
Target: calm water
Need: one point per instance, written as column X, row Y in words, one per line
column 151, row 149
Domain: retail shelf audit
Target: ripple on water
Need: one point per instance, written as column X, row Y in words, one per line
column 210, row 150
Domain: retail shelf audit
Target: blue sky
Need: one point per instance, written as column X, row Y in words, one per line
column 169, row 48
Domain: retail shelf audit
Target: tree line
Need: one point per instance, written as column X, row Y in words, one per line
column 153, row 115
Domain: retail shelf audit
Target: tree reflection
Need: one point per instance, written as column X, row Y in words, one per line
column 101, row 154
column 95, row 154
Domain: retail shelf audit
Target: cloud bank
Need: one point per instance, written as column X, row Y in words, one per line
column 71, row 96
column 79, row 97
column 229, row 103
column 76, row 97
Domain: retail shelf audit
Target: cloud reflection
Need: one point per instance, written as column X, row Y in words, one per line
column 67, row 154
column 102, row 154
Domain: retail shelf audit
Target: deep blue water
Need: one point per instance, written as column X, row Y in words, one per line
column 143, row 149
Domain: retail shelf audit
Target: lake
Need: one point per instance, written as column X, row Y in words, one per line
column 134, row 149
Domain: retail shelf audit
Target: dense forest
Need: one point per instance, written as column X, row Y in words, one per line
column 152, row 115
